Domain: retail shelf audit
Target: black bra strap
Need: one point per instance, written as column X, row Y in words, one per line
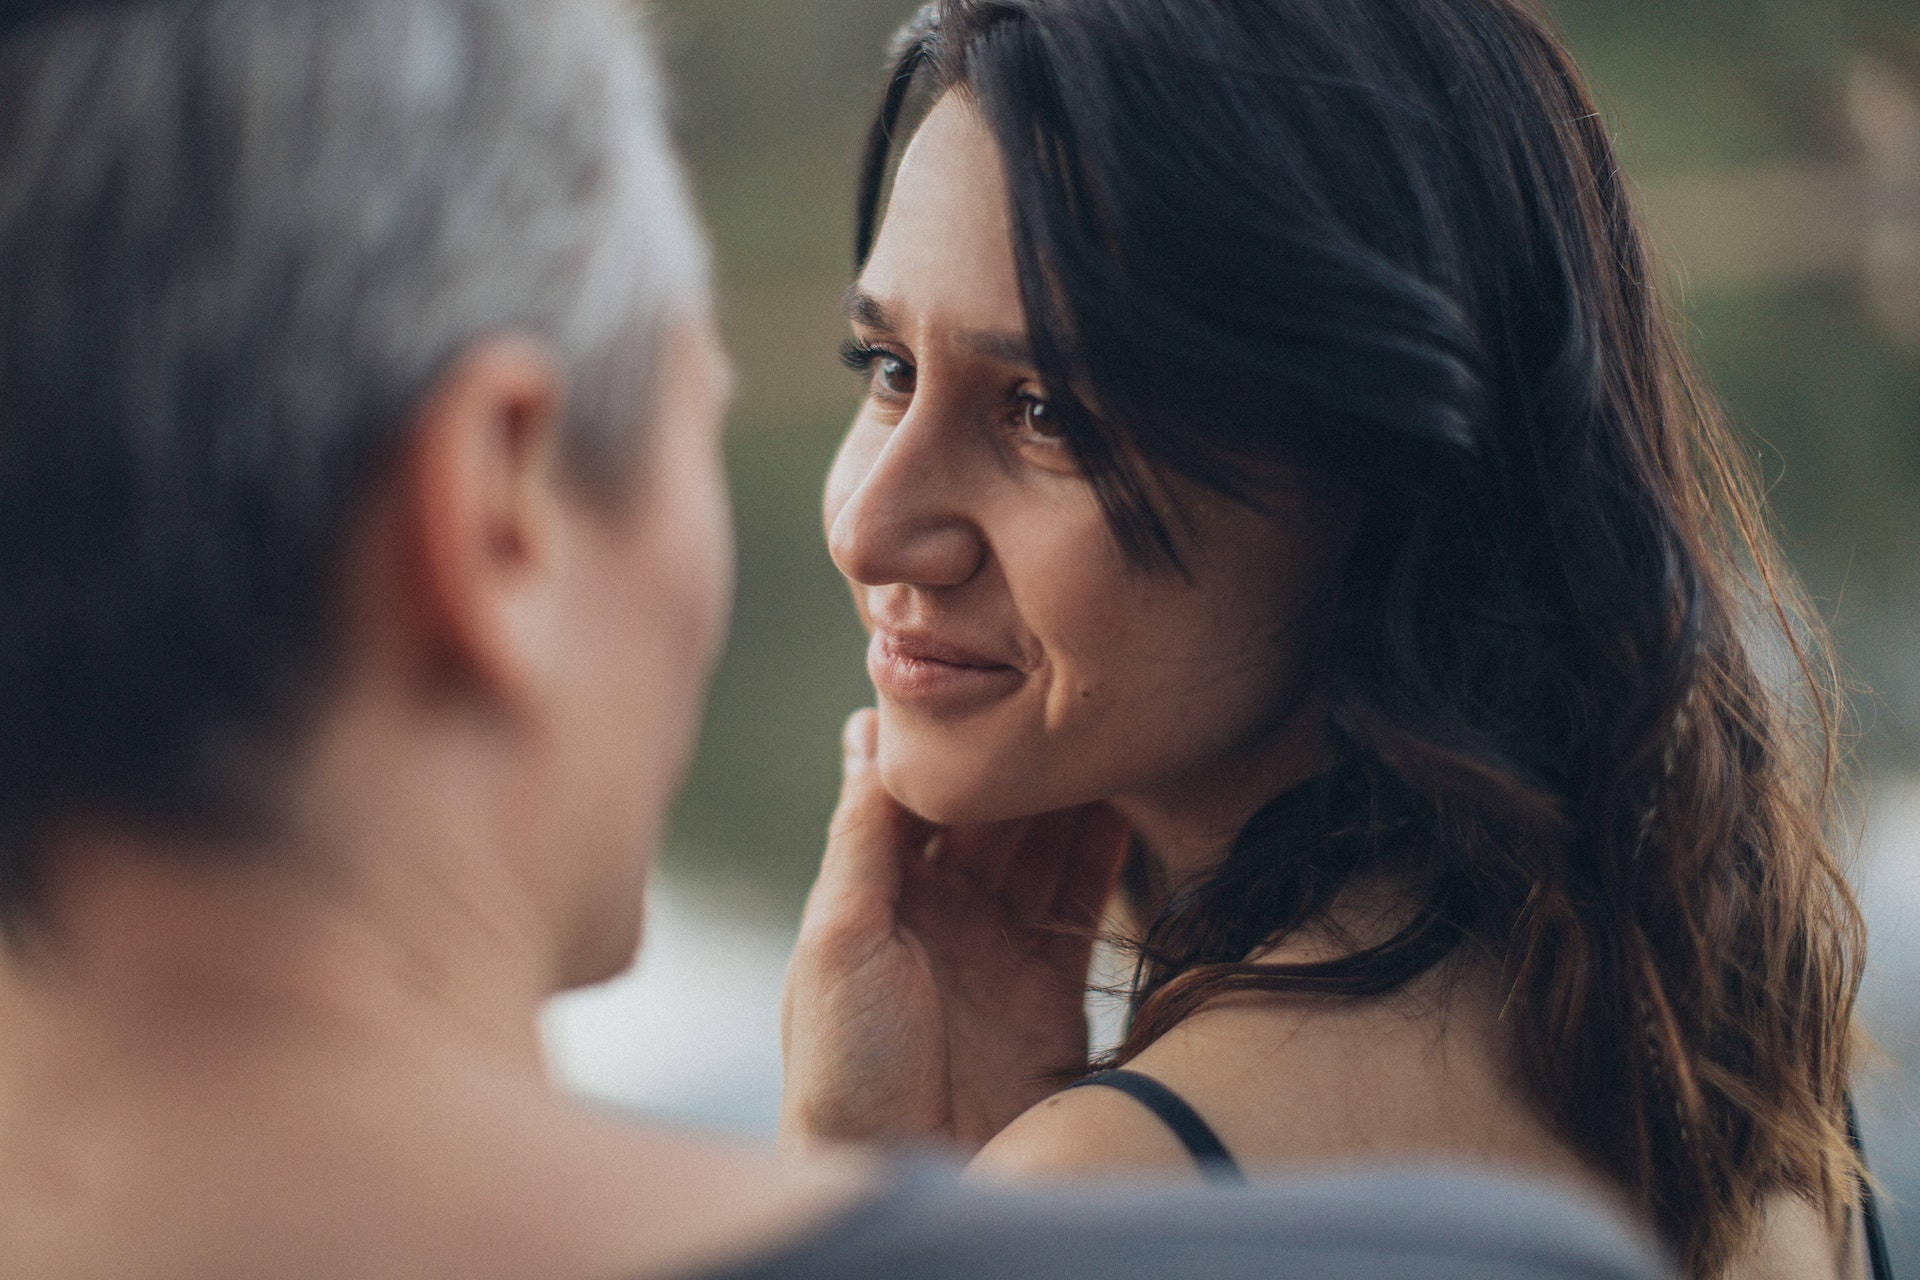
column 1194, row 1133
column 1877, row 1256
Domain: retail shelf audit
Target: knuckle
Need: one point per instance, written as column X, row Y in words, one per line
column 847, row 937
column 858, row 814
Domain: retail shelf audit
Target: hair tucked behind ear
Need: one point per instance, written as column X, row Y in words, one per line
column 1581, row 702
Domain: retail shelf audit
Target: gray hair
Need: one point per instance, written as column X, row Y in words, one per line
column 238, row 241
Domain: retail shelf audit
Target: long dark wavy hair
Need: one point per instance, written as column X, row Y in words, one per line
column 1579, row 699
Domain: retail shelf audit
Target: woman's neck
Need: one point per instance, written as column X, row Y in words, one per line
column 1189, row 823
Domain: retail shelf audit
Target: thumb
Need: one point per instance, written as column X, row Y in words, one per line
column 871, row 835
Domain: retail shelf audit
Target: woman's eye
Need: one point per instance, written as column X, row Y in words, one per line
column 887, row 374
column 1038, row 422
column 894, row 375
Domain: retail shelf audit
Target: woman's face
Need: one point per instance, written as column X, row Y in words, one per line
column 1022, row 663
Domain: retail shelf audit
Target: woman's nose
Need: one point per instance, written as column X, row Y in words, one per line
column 898, row 509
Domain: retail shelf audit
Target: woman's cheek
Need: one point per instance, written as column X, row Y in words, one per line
column 1090, row 624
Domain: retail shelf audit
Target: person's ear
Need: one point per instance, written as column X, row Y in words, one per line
column 482, row 519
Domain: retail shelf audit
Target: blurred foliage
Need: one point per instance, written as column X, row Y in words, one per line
column 772, row 103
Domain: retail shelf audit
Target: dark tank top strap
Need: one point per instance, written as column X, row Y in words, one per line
column 1195, row 1134
column 1880, row 1264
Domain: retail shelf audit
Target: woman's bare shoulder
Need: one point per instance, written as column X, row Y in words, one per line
column 1080, row 1133
column 1243, row 1081
column 1289, row 1084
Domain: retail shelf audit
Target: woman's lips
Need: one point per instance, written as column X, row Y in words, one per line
column 936, row 675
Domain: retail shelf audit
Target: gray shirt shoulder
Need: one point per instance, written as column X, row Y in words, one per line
column 1393, row 1226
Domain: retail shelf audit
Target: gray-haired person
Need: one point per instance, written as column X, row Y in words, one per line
column 363, row 551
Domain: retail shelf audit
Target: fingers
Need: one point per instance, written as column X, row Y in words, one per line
column 995, row 857
column 860, row 736
column 1052, row 870
column 1055, row 869
column 871, row 835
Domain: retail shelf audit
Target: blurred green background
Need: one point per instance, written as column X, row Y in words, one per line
column 1776, row 144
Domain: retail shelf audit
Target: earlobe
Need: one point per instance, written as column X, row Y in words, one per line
column 479, row 505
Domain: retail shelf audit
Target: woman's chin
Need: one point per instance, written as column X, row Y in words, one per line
column 934, row 790
column 945, row 801
column 955, row 778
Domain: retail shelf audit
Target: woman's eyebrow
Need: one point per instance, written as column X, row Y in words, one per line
column 864, row 309
column 1007, row 348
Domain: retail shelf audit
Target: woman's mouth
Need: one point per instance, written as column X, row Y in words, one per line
column 936, row 675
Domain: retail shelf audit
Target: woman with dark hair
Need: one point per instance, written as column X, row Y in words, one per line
column 1280, row 493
